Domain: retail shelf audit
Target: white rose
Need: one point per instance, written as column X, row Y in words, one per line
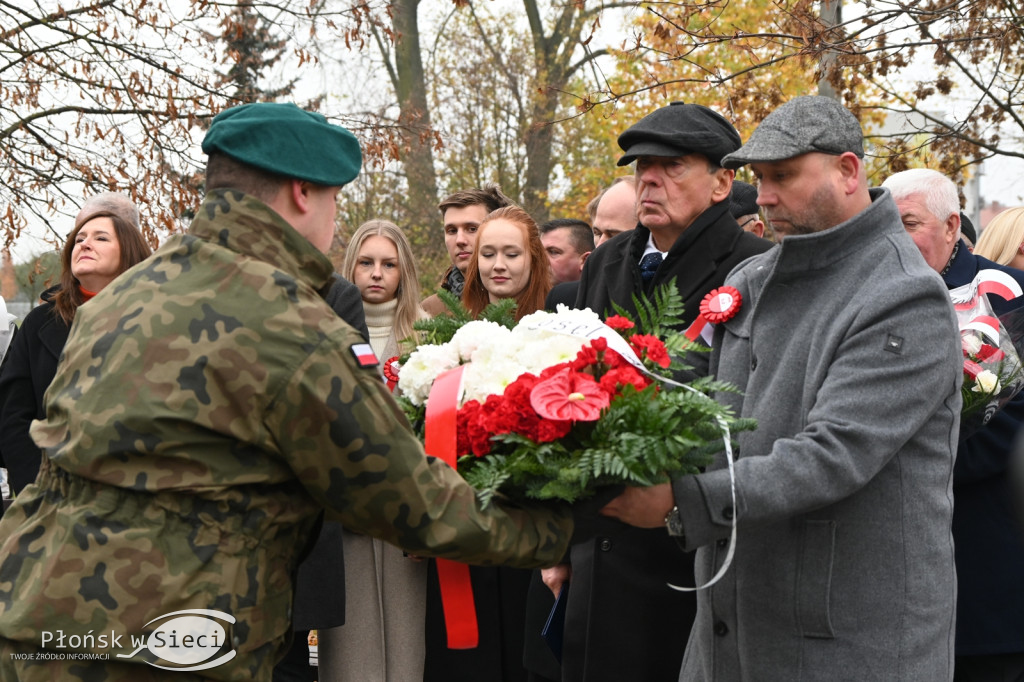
column 971, row 343
column 986, row 382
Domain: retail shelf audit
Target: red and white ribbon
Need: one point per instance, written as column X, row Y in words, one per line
column 987, row 281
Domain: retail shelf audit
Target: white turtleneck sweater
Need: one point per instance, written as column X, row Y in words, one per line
column 380, row 322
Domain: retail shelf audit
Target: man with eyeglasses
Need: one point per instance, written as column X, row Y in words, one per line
column 622, row 622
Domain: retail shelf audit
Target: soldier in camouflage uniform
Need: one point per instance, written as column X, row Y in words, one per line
column 207, row 406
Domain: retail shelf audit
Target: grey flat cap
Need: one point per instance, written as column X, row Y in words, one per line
column 802, row 125
column 679, row 129
column 743, row 199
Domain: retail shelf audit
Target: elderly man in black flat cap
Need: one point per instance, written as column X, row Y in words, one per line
column 622, row 621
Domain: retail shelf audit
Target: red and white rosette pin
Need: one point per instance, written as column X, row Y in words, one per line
column 719, row 305
column 391, row 372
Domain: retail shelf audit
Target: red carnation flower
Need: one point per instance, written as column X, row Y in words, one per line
column 650, row 348
column 615, row 379
column 549, row 430
column 473, row 436
column 619, row 323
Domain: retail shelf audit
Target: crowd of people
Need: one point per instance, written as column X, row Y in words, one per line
column 208, row 429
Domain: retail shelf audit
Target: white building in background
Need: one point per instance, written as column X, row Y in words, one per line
column 910, row 125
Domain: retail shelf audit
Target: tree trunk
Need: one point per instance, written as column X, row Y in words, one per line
column 423, row 224
column 831, row 13
column 539, row 140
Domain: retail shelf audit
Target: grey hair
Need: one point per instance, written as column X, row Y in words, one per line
column 938, row 191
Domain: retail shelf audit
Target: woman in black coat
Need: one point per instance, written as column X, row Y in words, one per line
column 106, row 241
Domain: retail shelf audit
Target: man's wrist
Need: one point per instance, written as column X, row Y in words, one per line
column 674, row 522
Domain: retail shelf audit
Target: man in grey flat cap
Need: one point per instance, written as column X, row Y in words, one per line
column 622, row 621
column 846, row 352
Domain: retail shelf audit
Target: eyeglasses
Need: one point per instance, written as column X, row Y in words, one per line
column 748, row 221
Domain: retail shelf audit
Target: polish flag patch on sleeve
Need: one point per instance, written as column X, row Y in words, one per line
column 364, row 355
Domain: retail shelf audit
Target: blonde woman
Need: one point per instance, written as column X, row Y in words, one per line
column 385, row 591
column 1002, row 240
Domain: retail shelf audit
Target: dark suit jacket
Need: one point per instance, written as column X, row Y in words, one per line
column 320, row 583
column 622, row 621
column 28, row 369
column 564, row 292
column 986, row 536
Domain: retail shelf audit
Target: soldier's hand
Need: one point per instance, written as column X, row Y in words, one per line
column 555, row 577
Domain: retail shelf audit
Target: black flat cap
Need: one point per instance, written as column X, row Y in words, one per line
column 811, row 123
column 284, row 139
column 743, row 200
column 967, row 228
column 679, row 129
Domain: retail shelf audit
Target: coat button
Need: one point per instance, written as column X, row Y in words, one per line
column 723, row 543
column 727, row 513
column 605, row 545
column 721, row 629
column 753, row 362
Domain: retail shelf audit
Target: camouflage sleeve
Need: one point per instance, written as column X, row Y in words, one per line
column 354, row 451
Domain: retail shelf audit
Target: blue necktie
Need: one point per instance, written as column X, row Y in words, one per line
column 649, row 265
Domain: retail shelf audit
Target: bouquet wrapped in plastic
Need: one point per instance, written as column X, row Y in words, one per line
column 993, row 372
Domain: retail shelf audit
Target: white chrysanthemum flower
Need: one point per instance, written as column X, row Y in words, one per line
column 483, row 379
column 472, row 335
column 552, row 349
column 576, row 315
column 532, row 320
column 425, row 364
column 986, row 382
column 495, row 350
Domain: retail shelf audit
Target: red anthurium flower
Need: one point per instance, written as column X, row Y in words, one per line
column 569, row 396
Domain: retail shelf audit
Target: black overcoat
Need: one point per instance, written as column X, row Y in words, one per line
column 28, row 370
column 622, row 621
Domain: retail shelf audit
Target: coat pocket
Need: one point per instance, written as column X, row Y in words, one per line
column 814, row 579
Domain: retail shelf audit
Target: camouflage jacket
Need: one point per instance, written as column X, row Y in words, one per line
column 208, row 404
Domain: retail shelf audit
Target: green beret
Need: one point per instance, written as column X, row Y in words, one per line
column 284, row 139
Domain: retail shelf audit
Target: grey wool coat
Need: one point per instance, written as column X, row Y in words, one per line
column 847, row 350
